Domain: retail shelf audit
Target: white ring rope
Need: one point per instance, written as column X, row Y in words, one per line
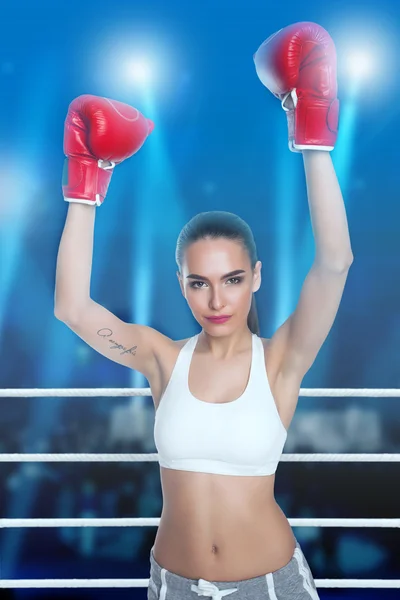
column 151, row 457
column 131, row 583
column 86, row 392
column 155, row 521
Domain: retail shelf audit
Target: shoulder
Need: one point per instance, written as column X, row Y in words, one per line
column 267, row 346
column 180, row 343
column 272, row 361
column 168, row 351
column 166, row 357
column 273, row 353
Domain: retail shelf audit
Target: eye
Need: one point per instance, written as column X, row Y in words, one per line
column 194, row 283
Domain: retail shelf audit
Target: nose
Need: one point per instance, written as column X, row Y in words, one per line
column 217, row 301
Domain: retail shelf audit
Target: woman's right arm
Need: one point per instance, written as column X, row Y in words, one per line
column 135, row 346
column 74, row 262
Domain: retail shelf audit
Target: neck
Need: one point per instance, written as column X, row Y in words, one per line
column 223, row 347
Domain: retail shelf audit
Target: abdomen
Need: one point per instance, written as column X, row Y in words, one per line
column 221, row 528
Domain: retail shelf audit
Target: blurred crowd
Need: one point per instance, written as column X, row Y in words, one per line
column 115, row 490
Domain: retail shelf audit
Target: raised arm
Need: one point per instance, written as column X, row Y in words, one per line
column 99, row 133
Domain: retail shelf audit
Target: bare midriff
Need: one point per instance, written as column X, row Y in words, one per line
column 221, row 527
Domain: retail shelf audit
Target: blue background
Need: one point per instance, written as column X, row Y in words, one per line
column 220, row 143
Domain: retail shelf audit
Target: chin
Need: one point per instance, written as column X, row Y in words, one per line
column 216, row 328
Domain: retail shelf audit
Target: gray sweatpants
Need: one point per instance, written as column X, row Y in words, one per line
column 294, row 581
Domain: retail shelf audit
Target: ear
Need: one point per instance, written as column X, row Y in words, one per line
column 257, row 276
column 180, row 284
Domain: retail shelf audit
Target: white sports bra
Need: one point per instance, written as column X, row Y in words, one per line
column 242, row 437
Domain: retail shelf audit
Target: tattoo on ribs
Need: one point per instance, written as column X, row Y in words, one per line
column 106, row 333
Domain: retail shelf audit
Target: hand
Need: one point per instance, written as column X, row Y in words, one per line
column 298, row 65
column 99, row 133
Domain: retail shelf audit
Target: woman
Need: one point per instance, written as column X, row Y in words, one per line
column 224, row 398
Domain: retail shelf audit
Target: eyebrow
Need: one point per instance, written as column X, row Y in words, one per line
column 231, row 274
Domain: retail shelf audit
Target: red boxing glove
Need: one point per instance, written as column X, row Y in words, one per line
column 300, row 61
column 96, row 130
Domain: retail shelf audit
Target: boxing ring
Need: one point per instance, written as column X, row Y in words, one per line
column 154, row 522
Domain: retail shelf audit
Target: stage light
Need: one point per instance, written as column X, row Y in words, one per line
column 140, row 71
column 360, row 65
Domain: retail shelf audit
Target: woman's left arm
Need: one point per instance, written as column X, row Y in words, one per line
column 327, row 211
column 298, row 65
column 297, row 342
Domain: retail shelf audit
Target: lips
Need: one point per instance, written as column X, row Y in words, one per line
column 221, row 319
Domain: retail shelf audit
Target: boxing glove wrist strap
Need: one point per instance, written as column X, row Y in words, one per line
column 313, row 124
column 86, row 180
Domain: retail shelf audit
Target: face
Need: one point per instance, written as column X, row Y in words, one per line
column 210, row 292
